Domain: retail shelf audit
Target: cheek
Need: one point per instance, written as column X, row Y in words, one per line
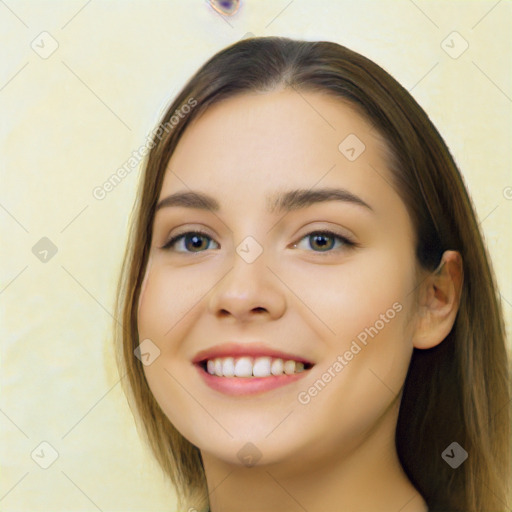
column 169, row 302
column 367, row 305
column 367, row 308
column 384, row 310
column 351, row 297
column 168, row 308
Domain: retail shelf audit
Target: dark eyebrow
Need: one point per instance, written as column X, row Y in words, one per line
column 302, row 198
column 196, row 200
column 276, row 203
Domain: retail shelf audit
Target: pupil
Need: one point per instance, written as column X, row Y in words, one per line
column 316, row 237
column 196, row 239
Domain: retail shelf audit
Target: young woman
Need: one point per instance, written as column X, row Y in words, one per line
column 366, row 373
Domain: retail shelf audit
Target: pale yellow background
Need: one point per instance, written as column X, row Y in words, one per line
column 69, row 121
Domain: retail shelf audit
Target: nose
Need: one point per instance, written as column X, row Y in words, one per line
column 247, row 292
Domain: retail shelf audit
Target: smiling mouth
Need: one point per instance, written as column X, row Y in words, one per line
column 247, row 367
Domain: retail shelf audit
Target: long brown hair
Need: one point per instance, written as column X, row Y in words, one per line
column 458, row 391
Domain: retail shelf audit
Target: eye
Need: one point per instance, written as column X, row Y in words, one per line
column 191, row 240
column 325, row 241
column 194, row 241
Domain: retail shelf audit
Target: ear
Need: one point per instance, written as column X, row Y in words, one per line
column 439, row 299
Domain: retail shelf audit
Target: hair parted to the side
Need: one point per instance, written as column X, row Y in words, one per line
column 457, row 391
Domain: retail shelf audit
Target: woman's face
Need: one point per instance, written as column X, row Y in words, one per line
column 341, row 307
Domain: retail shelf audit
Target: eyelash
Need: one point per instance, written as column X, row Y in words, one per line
column 347, row 243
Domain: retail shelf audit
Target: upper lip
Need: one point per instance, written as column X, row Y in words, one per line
column 253, row 349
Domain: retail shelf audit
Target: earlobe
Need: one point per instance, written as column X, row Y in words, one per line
column 439, row 300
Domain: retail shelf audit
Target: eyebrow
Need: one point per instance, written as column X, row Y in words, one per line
column 276, row 203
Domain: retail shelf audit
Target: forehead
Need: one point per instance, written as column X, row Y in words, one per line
column 249, row 145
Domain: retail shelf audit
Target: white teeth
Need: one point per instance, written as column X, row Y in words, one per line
column 277, row 367
column 228, row 367
column 243, row 367
column 261, row 367
column 248, row 367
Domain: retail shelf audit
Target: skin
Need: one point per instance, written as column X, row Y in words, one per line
column 336, row 452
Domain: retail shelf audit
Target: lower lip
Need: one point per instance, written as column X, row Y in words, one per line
column 237, row 386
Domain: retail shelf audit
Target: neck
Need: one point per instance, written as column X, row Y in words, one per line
column 369, row 478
